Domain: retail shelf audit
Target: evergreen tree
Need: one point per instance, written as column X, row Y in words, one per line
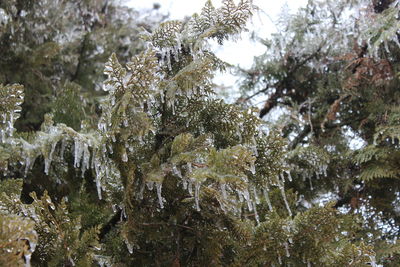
column 332, row 73
column 171, row 175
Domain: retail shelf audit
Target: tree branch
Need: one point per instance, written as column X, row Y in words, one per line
column 281, row 85
column 307, row 129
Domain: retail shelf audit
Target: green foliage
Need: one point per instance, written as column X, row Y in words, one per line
column 156, row 170
column 220, row 23
column 58, row 236
column 17, row 240
column 382, row 29
column 331, row 73
column 68, row 107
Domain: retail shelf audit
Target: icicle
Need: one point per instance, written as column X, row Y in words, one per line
column 189, row 167
column 160, row 199
column 190, row 188
column 223, row 190
column 47, row 163
column 163, row 52
column 386, row 47
column 27, row 260
column 53, row 147
column 372, row 261
column 260, row 131
column 124, row 157
column 63, row 146
column 266, row 196
column 86, row 159
column 98, row 186
column 123, row 214
column 77, row 152
column 246, row 195
column 169, row 60
column 254, row 146
column 253, row 168
column 27, row 165
column 289, row 176
column 141, row 191
column 102, row 126
column 184, row 184
column 255, row 151
column 176, row 171
column 175, row 51
column 324, row 169
column 287, row 249
column 282, row 177
column 317, row 174
column 49, row 159
column 196, row 195
column 311, row 185
column 2, row 136
column 240, row 194
column 282, row 189
column 129, row 246
column 150, row 185
column 256, row 198
column 279, row 259
column 32, row 247
column 114, row 207
column 162, row 96
column 256, row 213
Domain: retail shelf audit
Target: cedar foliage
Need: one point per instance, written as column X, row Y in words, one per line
column 159, row 171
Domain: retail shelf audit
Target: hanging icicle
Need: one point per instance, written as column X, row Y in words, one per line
column 287, row 249
column 160, row 199
column 282, row 189
column 223, row 190
column 266, row 196
column 196, row 195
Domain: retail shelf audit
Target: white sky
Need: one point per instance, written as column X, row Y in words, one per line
column 240, row 52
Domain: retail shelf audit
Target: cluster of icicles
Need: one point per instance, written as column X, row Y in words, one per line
column 86, row 154
column 321, row 170
column 251, row 195
column 172, row 52
column 7, row 128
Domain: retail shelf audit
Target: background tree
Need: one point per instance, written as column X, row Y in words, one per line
column 167, row 174
column 332, row 75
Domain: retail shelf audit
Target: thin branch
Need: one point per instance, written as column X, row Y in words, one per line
column 168, row 224
column 307, row 129
column 280, row 85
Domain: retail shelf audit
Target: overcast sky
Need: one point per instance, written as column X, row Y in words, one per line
column 240, row 52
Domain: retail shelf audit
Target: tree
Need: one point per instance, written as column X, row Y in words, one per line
column 172, row 175
column 332, row 74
